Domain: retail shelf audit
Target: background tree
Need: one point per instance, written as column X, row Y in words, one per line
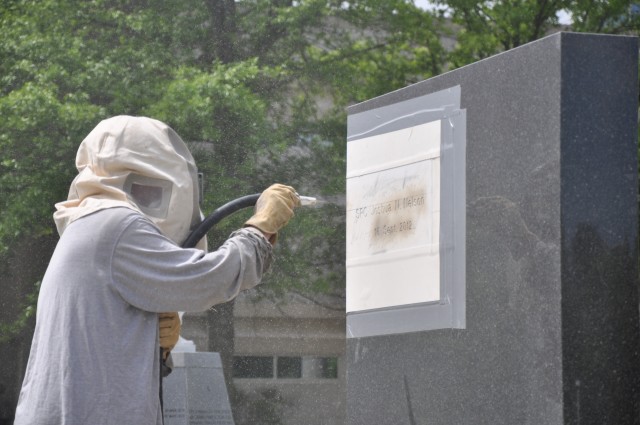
column 484, row 28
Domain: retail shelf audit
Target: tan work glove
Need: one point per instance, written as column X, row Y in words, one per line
column 169, row 331
column 273, row 210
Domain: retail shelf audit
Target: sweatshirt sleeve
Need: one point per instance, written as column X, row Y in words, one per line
column 151, row 273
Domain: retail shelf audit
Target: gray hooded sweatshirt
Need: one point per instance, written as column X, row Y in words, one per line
column 95, row 355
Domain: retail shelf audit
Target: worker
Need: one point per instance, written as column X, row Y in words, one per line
column 118, row 275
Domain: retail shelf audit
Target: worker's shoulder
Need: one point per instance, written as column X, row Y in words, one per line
column 110, row 220
column 103, row 229
column 123, row 214
column 126, row 218
column 113, row 214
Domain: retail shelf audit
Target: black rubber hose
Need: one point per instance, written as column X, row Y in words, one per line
column 216, row 216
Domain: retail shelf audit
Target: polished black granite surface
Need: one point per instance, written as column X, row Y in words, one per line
column 552, row 332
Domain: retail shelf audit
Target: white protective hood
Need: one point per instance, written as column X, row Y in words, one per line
column 138, row 163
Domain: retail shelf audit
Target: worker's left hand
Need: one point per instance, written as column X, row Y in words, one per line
column 169, row 330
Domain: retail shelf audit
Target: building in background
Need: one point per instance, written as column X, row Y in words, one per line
column 288, row 364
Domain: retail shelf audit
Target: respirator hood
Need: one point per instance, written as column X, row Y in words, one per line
column 138, row 163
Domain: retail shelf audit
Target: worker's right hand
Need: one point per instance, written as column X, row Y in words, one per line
column 169, row 324
column 274, row 209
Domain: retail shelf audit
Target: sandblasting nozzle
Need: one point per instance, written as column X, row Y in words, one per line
column 307, row 201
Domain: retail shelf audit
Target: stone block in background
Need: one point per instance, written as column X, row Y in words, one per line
column 195, row 392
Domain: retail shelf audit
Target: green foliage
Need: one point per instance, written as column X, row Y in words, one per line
column 374, row 47
column 218, row 107
column 484, row 28
column 38, row 135
column 14, row 328
column 488, row 27
column 605, row 16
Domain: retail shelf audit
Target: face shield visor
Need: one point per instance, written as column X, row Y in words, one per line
column 139, row 163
